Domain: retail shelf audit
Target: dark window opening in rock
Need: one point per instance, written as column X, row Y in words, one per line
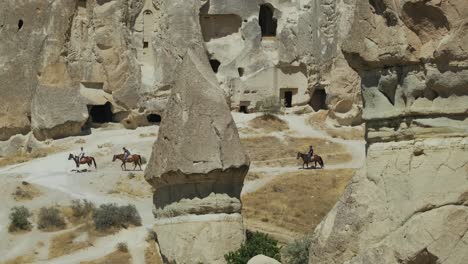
column 243, row 109
column 215, row 65
column 266, row 20
column 318, row 100
column 240, row 71
column 154, row 118
column 287, row 95
column 20, row 24
column 101, row 113
column 288, row 99
column 145, row 44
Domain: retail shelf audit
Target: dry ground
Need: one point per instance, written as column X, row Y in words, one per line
column 268, row 123
column 272, row 151
column 151, row 254
column 116, row 257
column 69, row 242
column 318, row 121
column 296, row 201
column 25, row 157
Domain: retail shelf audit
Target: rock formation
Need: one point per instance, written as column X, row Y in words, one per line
column 409, row 204
column 67, row 63
column 262, row 259
column 197, row 169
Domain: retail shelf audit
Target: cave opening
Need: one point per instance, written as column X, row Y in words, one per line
column 20, row 24
column 215, row 65
column 153, row 118
column 318, row 100
column 243, row 109
column 240, row 71
column 101, row 113
column 266, row 21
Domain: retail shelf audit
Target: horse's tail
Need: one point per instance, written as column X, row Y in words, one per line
column 139, row 160
column 321, row 162
column 94, row 161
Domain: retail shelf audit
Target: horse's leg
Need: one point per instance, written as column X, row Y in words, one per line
column 134, row 165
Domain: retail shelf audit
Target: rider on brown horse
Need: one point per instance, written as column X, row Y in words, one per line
column 126, row 153
column 310, row 154
column 81, row 155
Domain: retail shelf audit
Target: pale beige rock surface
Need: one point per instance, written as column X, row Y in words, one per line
column 262, row 259
column 409, row 202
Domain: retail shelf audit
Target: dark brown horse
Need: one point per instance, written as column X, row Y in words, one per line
column 136, row 159
column 84, row 160
column 305, row 159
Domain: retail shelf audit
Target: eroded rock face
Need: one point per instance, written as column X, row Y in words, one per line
column 197, row 169
column 262, row 259
column 409, row 203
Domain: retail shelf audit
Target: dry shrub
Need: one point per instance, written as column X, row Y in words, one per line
column 112, row 215
column 82, row 208
column 122, row 247
column 19, row 219
column 269, row 123
column 25, row 192
column 50, row 218
column 297, row 252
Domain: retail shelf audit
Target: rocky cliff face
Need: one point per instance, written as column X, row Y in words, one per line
column 409, row 203
column 67, row 63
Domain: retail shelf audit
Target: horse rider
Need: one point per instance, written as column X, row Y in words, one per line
column 126, row 153
column 81, row 155
column 310, row 154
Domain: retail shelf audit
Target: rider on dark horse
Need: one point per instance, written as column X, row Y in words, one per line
column 81, row 155
column 310, row 154
column 126, row 153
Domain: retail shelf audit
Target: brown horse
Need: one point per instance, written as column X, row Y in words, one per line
column 136, row 159
column 315, row 158
column 84, row 160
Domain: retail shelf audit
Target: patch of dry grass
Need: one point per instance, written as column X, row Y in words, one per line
column 26, row 191
column 271, row 151
column 69, row 242
column 143, row 135
column 20, row 260
column 318, row 121
column 152, row 255
column 254, row 175
column 135, row 187
column 24, row 157
column 296, row 201
column 269, row 123
column 116, row 257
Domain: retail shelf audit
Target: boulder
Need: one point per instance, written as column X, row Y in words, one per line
column 262, row 259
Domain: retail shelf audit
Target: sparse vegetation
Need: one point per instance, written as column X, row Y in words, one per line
column 69, row 242
column 25, row 192
column 50, row 218
column 24, row 157
column 297, row 252
column 257, row 243
column 271, row 105
column 112, row 215
column 269, row 123
column 152, row 254
column 19, row 219
column 122, row 247
column 277, row 205
column 115, row 257
column 82, row 208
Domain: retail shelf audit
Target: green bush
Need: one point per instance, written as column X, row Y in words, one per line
column 50, row 217
column 82, row 208
column 112, row 215
column 297, row 252
column 270, row 105
column 19, row 219
column 256, row 244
